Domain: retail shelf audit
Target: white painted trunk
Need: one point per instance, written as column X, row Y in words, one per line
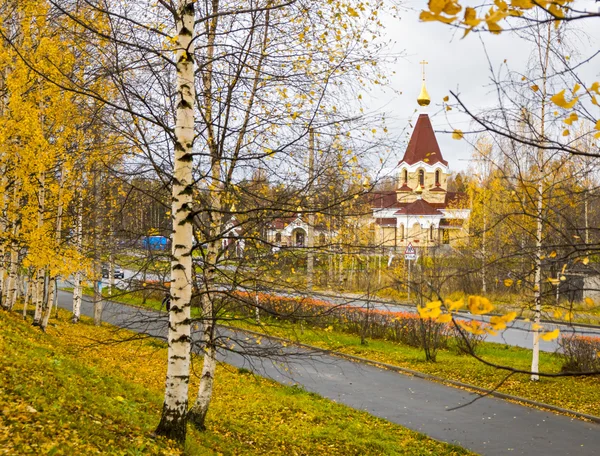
column 174, row 414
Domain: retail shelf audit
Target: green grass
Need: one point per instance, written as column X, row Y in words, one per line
column 69, row 391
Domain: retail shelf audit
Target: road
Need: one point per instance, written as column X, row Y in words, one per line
column 518, row 332
column 489, row 426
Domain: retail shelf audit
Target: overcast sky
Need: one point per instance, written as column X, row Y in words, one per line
column 454, row 64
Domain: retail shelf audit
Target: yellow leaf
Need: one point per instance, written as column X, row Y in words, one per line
column 510, row 316
column 552, row 254
column 436, row 6
column 586, row 260
column 470, row 18
column 446, row 98
column 573, row 117
column 426, row 16
column 535, row 88
column 523, row 4
column 508, row 282
column 536, row 327
column 454, row 305
column 426, row 313
column 548, row 336
column 595, row 87
column 352, row 12
column 589, row 301
column 433, row 304
column 479, row 305
column 457, row 134
column 497, row 323
column 557, row 313
column 452, row 8
column 565, row 132
column 559, row 100
column 444, row 318
column 576, row 88
column 490, row 331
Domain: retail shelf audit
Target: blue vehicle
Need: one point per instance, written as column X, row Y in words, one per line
column 155, row 242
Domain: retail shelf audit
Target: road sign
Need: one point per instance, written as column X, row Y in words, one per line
column 410, row 252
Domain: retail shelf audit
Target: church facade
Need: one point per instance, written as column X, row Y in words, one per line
column 421, row 210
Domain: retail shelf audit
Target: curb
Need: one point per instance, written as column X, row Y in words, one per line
column 425, row 376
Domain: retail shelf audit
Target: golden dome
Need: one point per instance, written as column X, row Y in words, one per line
column 423, row 98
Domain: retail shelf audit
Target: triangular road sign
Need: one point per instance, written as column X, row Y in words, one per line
column 410, row 253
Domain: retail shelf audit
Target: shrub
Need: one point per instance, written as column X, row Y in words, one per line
column 465, row 342
column 401, row 327
column 580, row 353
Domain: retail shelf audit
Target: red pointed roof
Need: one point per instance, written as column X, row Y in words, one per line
column 423, row 145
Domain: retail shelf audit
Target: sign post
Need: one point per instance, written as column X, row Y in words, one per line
column 409, row 255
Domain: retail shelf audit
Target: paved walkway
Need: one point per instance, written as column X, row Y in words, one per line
column 490, row 426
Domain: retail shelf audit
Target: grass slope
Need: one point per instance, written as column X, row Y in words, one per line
column 74, row 391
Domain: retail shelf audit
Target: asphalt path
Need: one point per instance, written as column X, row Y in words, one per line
column 488, row 426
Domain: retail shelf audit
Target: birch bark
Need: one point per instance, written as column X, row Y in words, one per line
column 174, row 413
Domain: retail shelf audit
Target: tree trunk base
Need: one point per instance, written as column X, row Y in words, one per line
column 173, row 429
column 197, row 419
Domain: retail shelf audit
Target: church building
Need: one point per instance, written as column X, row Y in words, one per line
column 420, row 210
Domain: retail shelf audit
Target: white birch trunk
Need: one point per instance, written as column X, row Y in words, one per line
column 57, row 239
column 535, row 358
column 197, row 413
column 174, row 413
column 11, row 295
column 111, row 273
column 28, row 293
column 77, row 290
column 310, row 235
column 39, row 296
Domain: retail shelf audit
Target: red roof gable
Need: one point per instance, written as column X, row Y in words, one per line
column 423, row 145
column 419, row 207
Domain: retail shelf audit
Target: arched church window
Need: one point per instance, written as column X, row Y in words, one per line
column 431, row 232
column 405, row 177
column 401, row 231
column 278, row 237
column 437, row 178
column 422, row 178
